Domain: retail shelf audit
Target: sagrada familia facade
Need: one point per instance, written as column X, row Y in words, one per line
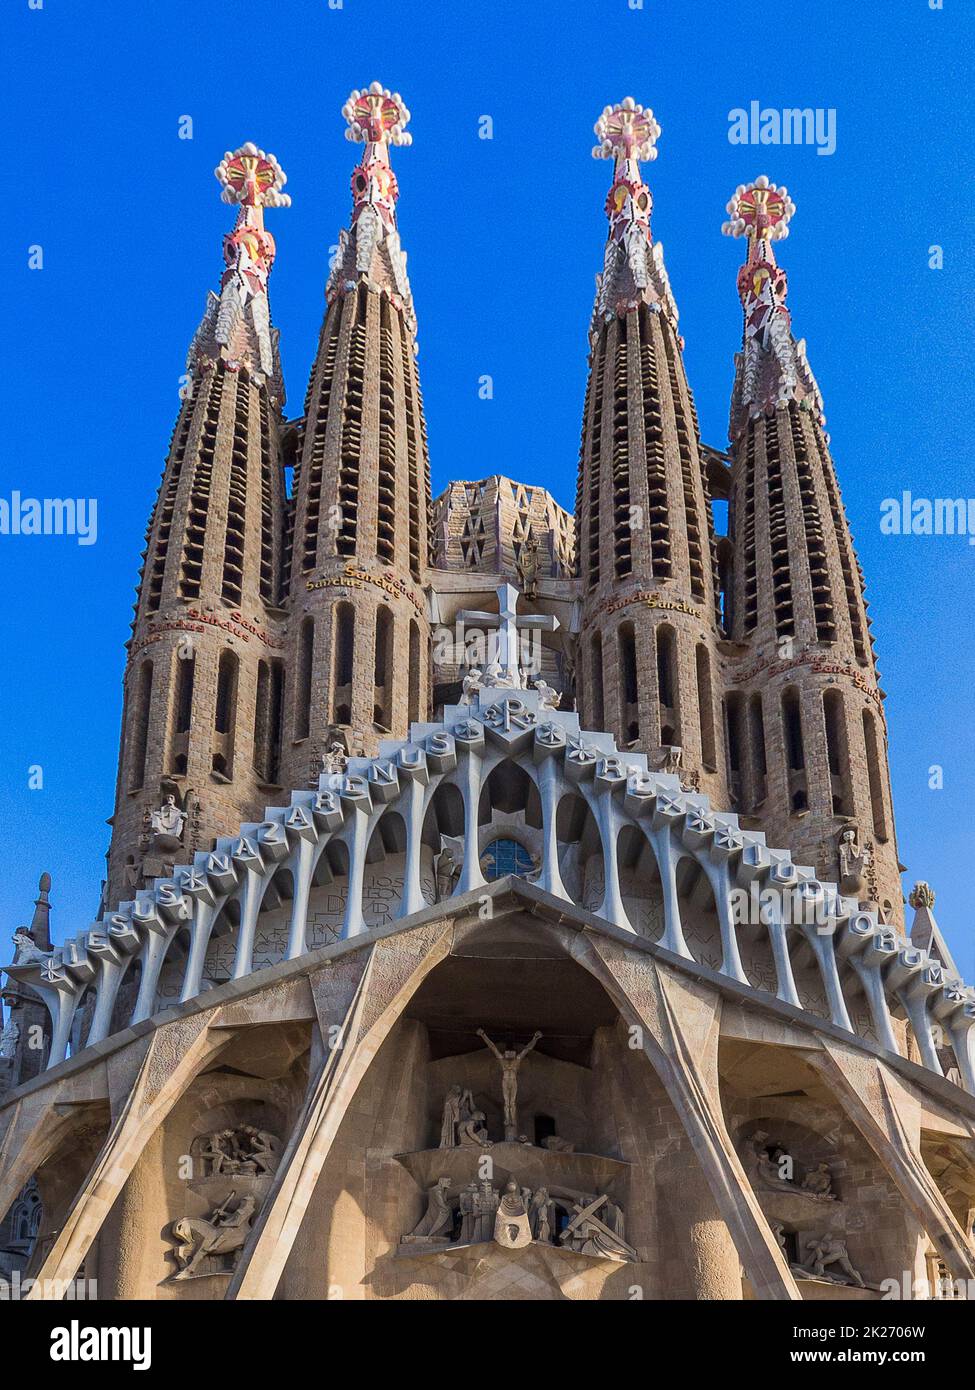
column 501, row 903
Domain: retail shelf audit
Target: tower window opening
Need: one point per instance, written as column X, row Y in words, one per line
column 267, row 732
column 415, row 673
column 794, row 751
column 629, row 689
column 140, row 745
column 667, row 686
column 756, row 739
column 383, row 692
column 734, row 707
column 837, row 753
column 877, row 805
column 705, row 706
column 225, row 714
column 596, row 684
column 306, row 652
column 343, row 658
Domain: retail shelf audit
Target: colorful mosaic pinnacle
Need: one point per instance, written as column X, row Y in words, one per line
column 628, row 134
column 249, row 176
column 626, row 131
column 376, row 118
column 772, row 368
column 759, row 210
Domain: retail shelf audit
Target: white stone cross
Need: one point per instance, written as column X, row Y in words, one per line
column 508, row 623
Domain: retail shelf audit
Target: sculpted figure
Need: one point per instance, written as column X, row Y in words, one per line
column 528, row 566
column 557, row 1145
column 551, row 698
column 436, row 1222
column 510, row 1062
column 451, row 1118
column 334, row 759
column 854, row 860
column 672, row 759
column 541, row 1215
column 819, row 1182
column 263, row 1156
column 447, row 869
column 485, row 1208
column 512, row 1227
column 27, row 951
column 467, row 1204
column 471, row 685
column 222, row 1233
column 218, row 1151
column 472, row 1131
column 596, row 1228
column 167, row 823
column 827, row 1250
column 769, row 1158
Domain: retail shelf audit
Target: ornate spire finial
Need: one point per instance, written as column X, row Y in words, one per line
column 759, row 210
column 237, row 326
column 922, row 895
column 249, row 176
column 772, row 367
column 377, row 118
column 251, row 180
column 634, row 271
column 626, row 131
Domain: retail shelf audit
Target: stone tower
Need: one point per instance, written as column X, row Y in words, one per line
column 647, row 667
column 806, row 730
column 359, row 636
column 204, row 676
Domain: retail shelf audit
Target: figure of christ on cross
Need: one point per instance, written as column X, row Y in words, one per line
column 505, row 669
column 510, row 1062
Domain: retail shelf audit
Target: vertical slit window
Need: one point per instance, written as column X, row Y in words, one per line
column 140, row 746
column 596, row 684
column 705, row 705
column 306, row 652
column 878, row 808
column 629, row 687
column 343, row 663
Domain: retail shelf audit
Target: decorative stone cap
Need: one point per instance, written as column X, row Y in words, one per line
column 922, row 895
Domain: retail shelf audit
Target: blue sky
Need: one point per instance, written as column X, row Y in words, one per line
column 504, row 238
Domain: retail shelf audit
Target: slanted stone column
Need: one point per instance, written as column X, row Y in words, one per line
column 679, row 1028
column 356, row 1013
column 178, row 1052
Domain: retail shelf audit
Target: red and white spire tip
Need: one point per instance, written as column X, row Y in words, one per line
column 759, row 210
column 377, row 116
column 626, row 131
column 252, row 178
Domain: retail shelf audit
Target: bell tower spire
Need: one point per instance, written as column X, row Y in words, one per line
column 648, row 661
column 359, row 634
column 204, row 679
column 806, row 728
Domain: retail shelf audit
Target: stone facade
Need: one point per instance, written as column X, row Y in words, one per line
column 502, row 904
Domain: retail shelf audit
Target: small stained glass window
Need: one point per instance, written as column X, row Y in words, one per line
column 505, row 857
